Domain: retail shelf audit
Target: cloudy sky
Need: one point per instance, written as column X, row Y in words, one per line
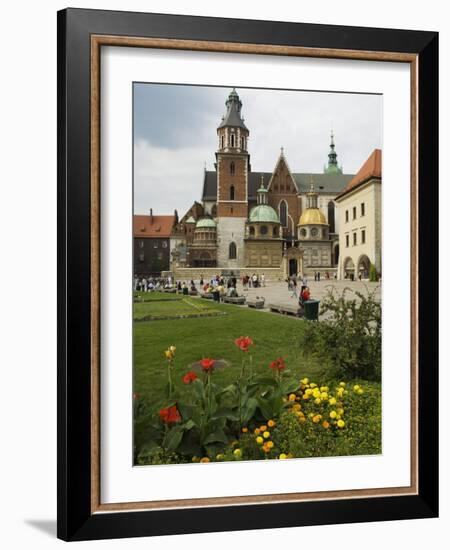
column 175, row 136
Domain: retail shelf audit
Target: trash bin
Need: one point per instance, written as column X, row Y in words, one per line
column 311, row 308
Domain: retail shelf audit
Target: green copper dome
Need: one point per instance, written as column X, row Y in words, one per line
column 263, row 213
column 205, row 223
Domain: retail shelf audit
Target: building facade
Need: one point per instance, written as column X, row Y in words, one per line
column 359, row 207
column 151, row 243
column 282, row 221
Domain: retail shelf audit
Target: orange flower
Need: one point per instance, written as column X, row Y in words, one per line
column 207, row 364
column 243, row 342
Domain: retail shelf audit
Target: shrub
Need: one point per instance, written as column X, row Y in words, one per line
column 349, row 338
column 373, row 275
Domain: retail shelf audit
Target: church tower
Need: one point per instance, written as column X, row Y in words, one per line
column 332, row 167
column 233, row 166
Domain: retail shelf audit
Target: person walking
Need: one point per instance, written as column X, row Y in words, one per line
column 318, row 276
column 304, row 284
column 263, row 279
column 293, row 287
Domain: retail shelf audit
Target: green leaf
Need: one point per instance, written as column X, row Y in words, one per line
column 189, row 424
column 265, row 408
column 249, row 409
column 173, row 439
column 225, row 413
column 217, row 436
column 266, row 381
column 289, row 386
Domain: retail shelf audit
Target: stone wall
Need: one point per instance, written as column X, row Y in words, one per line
column 230, row 230
column 186, row 274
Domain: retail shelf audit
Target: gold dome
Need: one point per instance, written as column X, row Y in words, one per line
column 312, row 216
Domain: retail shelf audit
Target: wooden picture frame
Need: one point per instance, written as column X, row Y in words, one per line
column 81, row 35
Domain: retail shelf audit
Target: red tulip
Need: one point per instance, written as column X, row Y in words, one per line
column 189, row 377
column 170, row 415
column 278, row 364
column 243, row 342
column 207, row 364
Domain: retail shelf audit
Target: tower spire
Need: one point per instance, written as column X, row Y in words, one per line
column 332, row 167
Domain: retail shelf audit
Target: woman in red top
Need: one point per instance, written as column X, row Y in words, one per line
column 306, row 295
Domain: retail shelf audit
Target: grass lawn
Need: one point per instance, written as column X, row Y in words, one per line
column 273, row 335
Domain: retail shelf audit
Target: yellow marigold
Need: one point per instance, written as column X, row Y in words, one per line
column 266, row 434
column 332, row 401
column 340, row 411
column 263, row 428
column 204, row 460
column 173, row 349
column 195, row 459
column 292, row 397
column 305, row 396
column 282, row 456
column 244, row 430
column 324, row 395
column 257, row 431
column 313, row 385
column 259, row 440
column 316, row 419
column 342, row 384
column 356, row 387
column 265, row 448
column 271, row 423
column 270, row 444
column 324, row 388
column 325, row 424
column 333, row 414
column 220, row 457
column 237, row 453
column 168, row 354
column 305, row 381
column 317, row 401
column 308, row 391
column 301, row 419
column 295, row 407
column 341, row 423
column 316, row 392
column 360, row 391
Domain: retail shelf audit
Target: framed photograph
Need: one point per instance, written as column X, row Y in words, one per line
column 247, row 274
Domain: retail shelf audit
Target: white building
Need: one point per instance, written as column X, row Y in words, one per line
column 359, row 215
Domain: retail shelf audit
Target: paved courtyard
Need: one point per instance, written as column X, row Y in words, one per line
column 278, row 292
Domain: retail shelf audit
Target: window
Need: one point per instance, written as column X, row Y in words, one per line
column 242, row 143
column 347, row 241
column 252, row 231
column 303, row 233
column 355, row 239
column 141, row 257
column 222, row 142
column 232, row 253
column 363, row 236
column 232, row 168
column 232, row 193
column 283, row 214
column 314, row 232
column 232, row 140
column 346, row 215
column 141, row 244
column 155, row 244
column 331, row 219
column 354, row 212
column 263, row 230
column 363, row 209
column 164, row 244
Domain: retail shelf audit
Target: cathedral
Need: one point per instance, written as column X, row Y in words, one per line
column 278, row 222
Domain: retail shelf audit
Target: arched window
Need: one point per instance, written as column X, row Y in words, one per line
column 232, row 168
column 331, row 221
column 242, row 143
column 232, row 254
column 232, row 140
column 222, row 142
column 232, row 193
column 283, row 214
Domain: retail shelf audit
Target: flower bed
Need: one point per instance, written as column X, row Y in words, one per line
column 271, row 416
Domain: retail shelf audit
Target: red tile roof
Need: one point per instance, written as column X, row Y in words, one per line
column 370, row 169
column 159, row 226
